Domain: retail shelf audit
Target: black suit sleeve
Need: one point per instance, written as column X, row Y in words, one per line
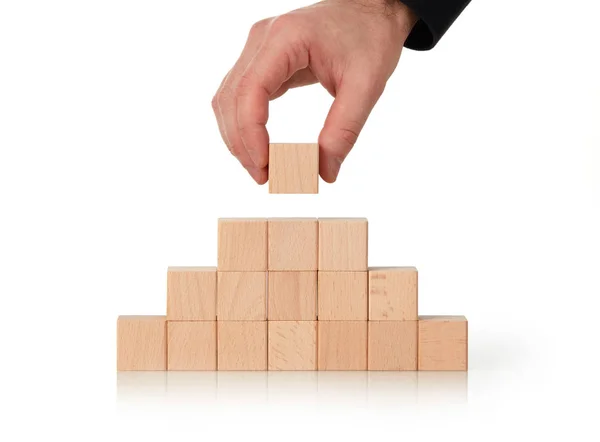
column 435, row 17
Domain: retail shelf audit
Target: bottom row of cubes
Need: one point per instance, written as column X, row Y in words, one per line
column 152, row 343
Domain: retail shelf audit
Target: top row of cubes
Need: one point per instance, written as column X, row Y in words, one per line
column 292, row 244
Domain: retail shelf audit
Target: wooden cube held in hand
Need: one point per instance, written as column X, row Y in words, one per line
column 393, row 294
column 294, row 168
column 443, row 343
column 141, row 343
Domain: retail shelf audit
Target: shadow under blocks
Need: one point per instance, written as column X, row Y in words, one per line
column 292, row 294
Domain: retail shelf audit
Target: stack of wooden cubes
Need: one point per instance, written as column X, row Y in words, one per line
column 292, row 294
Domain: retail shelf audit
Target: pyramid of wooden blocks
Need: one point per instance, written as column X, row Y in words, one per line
column 292, row 294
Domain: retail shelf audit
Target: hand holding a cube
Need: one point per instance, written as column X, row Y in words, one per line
column 350, row 48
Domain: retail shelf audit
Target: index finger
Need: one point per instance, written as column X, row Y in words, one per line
column 276, row 61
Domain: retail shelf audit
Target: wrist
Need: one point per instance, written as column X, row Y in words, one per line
column 395, row 10
column 404, row 16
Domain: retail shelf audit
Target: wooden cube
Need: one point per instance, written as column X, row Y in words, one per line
column 292, row 296
column 242, row 345
column 443, row 343
column 343, row 244
column 242, row 296
column 393, row 294
column 141, row 343
column 293, row 244
column 292, row 345
column 242, row 244
column 342, row 296
column 342, row 345
column 294, row 168
column 192, row 293
column 192, row 345
column 393, row 345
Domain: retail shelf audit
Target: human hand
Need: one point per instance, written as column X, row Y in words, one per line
column 351, row 47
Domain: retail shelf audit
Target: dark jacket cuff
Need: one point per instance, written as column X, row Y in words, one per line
column 435, row 18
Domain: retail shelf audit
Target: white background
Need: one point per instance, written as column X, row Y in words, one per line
column 480, row 165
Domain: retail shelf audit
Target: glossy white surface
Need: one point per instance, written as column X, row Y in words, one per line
column 480, row 166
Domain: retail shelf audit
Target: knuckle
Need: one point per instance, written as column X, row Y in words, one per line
column 243, row 84
column 348, row 136
column 339, row 142
column 223, row 95
column 258, row 28
column 282, row 23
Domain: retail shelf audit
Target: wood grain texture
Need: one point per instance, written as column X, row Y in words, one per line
column 342, row 296
column 393, row 294
column 343, row 244
column 242, row 345
column 443, row 343
column 293, row 244
column 292, row 345
column 342, row 345
column 192, row 345
column 141, row 343
column 192, row 293
column 242, row 244
column 294, row 168
column 393, row 345
column 242, row 296
column 292, row 296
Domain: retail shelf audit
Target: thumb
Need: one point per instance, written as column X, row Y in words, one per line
column 354, row 101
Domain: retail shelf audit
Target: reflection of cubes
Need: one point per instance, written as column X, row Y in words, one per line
column 343, row 244
column 443, row 343
column 292, row 345
column 393, row 388
column 393, row 345
column 192, row 345
column 242, row 244
column 141, row 343
column 292, row 296
column 242, row 345
column 342, row 345
column 443, row 387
